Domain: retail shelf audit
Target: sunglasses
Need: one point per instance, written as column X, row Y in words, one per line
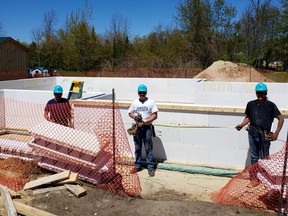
column 142, row 92
column 260, row 92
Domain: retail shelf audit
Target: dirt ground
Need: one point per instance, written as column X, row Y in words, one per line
column 226, row 71
column 168, row 193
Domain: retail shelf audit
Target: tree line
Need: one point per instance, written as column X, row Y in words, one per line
column 206, row 31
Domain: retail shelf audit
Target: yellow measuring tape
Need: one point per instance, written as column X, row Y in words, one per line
column 190, row 126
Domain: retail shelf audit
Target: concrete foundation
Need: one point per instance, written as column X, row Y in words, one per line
column 196, row 118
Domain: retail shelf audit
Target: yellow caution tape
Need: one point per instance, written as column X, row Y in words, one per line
column 190, row 126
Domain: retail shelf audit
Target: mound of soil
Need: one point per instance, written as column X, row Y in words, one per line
column 232, row 72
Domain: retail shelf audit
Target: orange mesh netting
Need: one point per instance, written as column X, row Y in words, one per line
column 96, row 147
column 258, row 187
column 15, row 172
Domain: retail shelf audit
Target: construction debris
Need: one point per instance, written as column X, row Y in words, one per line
column 9, row 205
column 64, row 180
column 47, row 190
column 57, row 179
column 47, row 180
column 77, row 190
column 30, row 211
column 14, row 208
column 73, row 179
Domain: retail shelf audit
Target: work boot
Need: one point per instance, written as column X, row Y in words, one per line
column 151, row 172
column 138, row 169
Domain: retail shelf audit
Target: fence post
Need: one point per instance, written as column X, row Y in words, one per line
column 113, row 136
column 283, row 183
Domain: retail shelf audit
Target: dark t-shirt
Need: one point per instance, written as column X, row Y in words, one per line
column 60, row 111
column 261, row 116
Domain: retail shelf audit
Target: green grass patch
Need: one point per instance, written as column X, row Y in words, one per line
column 281, row 77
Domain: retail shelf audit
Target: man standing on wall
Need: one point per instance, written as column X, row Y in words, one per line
column 260, row 113
column 58, row 109
column 144, row 112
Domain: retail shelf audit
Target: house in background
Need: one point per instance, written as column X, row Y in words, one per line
column 13, row 59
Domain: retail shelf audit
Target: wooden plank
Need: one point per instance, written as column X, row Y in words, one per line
column 47, row 190
column 27, row 210
column 8, row 202
column 73, row 178
column 14, row 194
column 188, row 107
column 77, row 190
column 30, row 211
column 47, row 180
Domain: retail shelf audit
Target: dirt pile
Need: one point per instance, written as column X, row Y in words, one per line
column 229, row 71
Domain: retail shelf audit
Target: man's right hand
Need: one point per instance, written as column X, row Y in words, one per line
column 138, row 118
column 238, row 127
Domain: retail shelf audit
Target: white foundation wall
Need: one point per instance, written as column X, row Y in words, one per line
column 168, row 90
column 211, row 140
column 206, row 112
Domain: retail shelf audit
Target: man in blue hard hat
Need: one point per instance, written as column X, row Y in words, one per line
column 144, row 111
column 260, row 114
column 58, row 109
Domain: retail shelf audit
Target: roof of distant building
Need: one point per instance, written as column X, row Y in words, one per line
column 2, row 39
column 6, row 39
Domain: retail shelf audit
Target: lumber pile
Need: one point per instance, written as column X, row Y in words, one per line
column 59, row 181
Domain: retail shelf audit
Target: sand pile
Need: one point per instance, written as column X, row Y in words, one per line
column 229, row 71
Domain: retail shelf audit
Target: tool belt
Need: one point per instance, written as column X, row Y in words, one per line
column 266, row 135
column 135, row 128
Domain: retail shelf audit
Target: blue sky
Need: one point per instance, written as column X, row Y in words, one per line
column 20, row 17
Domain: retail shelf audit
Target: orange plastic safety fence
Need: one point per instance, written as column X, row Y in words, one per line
column 94, row 143
column 14, row 172
column 257, row 187
column 14, row 182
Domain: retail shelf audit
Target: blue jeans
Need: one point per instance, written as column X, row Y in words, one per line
column 144, row 136
column 259, row 148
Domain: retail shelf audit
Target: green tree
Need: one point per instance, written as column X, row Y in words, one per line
column 50, row 45
column 194, row 20
column 33, row 55
column 37, row 37
column 284, row 33
column 224, row 30
column 207, row 26
column 162, row 48
column 259, row 32
column 78, row 41
column 117, row 41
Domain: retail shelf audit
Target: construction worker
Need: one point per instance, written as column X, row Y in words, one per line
column 144, row 111
column 260, row 114
column 58, row 109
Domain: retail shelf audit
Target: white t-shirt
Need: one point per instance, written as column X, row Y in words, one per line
column 145, row 108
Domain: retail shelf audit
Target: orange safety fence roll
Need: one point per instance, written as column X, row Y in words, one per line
column 94, row 144
column 258, row 187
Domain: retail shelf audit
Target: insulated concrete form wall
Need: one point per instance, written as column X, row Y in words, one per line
column 46, row 83
column 202, row 138
column 166, row 90
column 196, row 119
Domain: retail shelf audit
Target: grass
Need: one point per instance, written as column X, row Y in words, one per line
column 281, row 77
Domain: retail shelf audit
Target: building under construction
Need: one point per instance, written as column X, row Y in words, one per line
column 195, row 127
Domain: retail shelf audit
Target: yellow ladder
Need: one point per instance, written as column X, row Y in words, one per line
column 76, row 90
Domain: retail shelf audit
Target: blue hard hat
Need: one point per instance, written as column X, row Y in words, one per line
column 58, row 89
column 142, row 88
column 261, row 87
